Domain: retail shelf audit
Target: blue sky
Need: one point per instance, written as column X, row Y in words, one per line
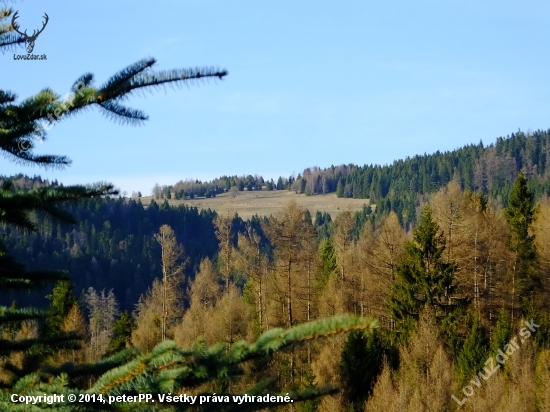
column 311, row 83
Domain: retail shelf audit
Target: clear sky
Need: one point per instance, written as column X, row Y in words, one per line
column 311, row 83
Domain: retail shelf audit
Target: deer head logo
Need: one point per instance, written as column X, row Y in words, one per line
column 29, row 40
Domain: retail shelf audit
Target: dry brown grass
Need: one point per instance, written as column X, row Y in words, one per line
column 248, row 204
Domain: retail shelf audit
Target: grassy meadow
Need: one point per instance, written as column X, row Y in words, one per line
column 248, row 204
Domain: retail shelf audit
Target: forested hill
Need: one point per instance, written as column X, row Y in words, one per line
column 489, row 169
column 112, row 245
column 401, row 185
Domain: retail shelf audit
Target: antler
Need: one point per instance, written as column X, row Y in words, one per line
column 16, row 26
column 34, row 34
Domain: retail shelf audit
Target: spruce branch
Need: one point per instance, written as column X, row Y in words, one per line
column 21, row 125
column 8, row 40
column 16, row 204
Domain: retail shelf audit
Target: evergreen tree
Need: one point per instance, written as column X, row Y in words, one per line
column 340, row 188
column 280, row 184
column 170, row 369
column 327, row 262
column 502, row 332
column 62, row 299
column 9, row 39
column 473, row 354
column 520, row 215
column 362, row 361
column 423, row 276
column 122, row 333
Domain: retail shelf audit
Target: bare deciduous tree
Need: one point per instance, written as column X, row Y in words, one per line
column 103, row 309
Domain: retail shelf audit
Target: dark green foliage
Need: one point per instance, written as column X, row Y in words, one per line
column 112, row 247
column 62, row 300
column 473, row 355
column 502, row 332
column 423, row 277
column 490, row 170
column 9, row 38
column 361, row 363
column 327, row 262
column 541, row 318
column 340, row 189
column 308, row 383
column 122, row 332
column 520, row 215
column 323, row 224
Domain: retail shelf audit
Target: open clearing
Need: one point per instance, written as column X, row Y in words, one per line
column 248, row 204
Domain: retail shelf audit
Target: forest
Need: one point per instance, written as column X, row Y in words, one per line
column 435, row 299
column 449, row 292
column 490, row 170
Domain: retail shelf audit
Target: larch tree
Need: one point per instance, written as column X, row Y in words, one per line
column 494, row 256
column 160, row 308
column 425, row 377
column 74, row 322
column 172, row 278
column 288, row 233
column 541, row 230
column 254, row 263
column 204, row 292
column 344, row 246
column 380, row 251
column 224, row 234
column 451, row 213
column 102, row 312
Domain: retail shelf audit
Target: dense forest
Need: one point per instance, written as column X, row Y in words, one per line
column 490, row 170
column 112, row 246
column 450, row 292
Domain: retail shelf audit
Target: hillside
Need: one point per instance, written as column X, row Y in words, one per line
column 401, row 186
column 264, row 203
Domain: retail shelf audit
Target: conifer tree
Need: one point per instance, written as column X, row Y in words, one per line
column 224, row 234
column 340, row 188
column 473, row 354
column 254, row 263
column 327, row 261
column 520, row 215
column 122, row 333
column 172, row 277
column 362, row 361
column 502, row 332
column 62, row 299
column 423, row 276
